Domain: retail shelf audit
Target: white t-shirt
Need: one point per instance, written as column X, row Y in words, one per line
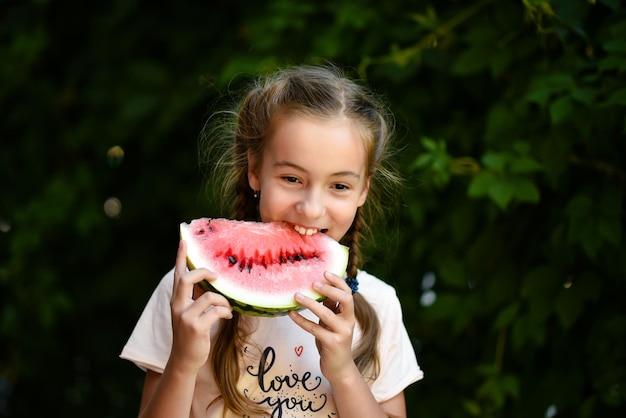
column 281, row 370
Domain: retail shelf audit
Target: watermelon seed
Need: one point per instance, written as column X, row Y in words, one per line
column 300, row 257
column 232, row 260
column 282, row 260
column 249, row 267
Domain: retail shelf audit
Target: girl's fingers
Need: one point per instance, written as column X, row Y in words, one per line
column 319, row 330
column 181, row 263
column 207, row 302
column 185, row 281
column 338, row 283
column 331, row 304
column 338, row 293
column 181, row 289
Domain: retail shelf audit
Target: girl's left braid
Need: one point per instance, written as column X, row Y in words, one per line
column 352, row 240
column 365, row 353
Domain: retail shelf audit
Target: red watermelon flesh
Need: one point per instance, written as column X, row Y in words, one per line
column 260, row 266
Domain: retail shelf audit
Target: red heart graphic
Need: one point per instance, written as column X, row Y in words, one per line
column 298, row 350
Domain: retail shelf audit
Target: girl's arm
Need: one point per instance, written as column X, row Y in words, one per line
column 170, row 394
column 333, row 335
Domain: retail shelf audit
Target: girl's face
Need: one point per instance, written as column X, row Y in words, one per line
column 312, row 175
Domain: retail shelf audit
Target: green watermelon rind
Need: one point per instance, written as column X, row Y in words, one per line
column 250, row 309
column 243, row 303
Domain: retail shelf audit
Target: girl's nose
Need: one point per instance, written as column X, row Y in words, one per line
column 311, row 205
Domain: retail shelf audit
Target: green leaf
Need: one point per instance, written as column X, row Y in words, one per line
column 610, row 229
column 502, row 189
column 502, row 192
column 498, row 388
column 570, row 302
column 567, row 309
column 579, row 206
column 521, row 147
column 422, row 161
column 545, row 87
column 506, row 316
column 612, row 4
column 500, row 59
column 452, row 272
column 524, row 165
column 446, row 306
column 501, row 121
column 612, row 63
column 540, row 96
column 495, row 161
column 427, row 21
column 526, row 330
column 481, row 183
column 429, row 144
column 541, row 282
column 561, row 109
column 618, row 30
column 139, row 106
column 525, row 190
column 472, row 407
column 471, row 61
column 584, row 95
column 589, row 224
column 510, row 384
column 615, row 45
column 618, row 97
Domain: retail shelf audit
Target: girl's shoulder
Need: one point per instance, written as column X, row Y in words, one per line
column 377, row 292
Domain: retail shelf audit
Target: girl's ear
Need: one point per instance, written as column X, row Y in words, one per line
column 253, row 178
column 363, row 195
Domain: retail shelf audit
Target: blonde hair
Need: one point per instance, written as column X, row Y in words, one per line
column 322, row 92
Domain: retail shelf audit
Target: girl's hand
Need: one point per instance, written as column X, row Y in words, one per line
column 333, row 334
column 193, row 317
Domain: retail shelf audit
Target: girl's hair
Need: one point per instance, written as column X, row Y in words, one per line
column 321, row 92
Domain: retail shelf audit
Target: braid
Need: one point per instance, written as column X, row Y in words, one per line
column 365, row 354
column 352, row 239
column 244, row 205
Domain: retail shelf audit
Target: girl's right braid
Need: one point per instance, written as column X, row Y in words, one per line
column 244, row 205
column 231, row 334
column 365, row 354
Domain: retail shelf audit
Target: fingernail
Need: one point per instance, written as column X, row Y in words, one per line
column 317, row 285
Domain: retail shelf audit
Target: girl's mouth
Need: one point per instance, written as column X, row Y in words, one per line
column 308, row 231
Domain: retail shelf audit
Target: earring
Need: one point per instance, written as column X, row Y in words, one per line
column 255, row 194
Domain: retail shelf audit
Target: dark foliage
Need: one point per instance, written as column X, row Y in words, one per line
column 510, row 256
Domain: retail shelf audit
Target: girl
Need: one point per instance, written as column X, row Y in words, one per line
column 308, row 149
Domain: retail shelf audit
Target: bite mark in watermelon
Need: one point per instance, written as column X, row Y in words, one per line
column 260, row 266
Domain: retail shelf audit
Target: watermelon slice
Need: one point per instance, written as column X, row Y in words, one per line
column 260, row 266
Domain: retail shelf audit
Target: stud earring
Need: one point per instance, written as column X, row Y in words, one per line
column 255, row 194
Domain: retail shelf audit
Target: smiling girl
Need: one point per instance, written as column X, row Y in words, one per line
column 308, row 148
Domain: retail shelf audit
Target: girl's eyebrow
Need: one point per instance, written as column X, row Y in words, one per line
column 297, row 167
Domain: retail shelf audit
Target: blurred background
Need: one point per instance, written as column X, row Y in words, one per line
column 507, row 249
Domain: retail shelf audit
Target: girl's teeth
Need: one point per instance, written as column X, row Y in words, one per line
column 304, row 231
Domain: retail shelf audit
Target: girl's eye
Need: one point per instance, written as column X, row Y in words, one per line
column 341, row 187
column 290, row 179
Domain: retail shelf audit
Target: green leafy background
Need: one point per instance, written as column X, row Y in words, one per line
column 508, row 247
